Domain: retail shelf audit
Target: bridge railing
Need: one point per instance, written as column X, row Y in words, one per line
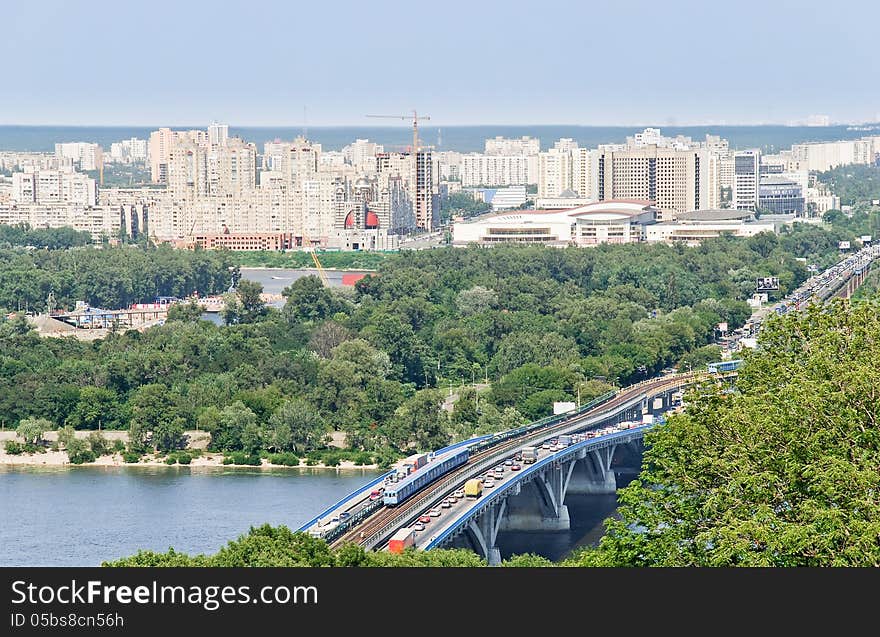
column 527, row 474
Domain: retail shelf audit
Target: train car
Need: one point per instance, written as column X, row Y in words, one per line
column 724, row 366
column 396, row 493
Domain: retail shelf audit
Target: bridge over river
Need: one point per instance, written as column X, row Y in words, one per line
column 532, row 498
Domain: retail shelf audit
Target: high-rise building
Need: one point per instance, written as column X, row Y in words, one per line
column 161, row 143
column 495, row 170
column 675, row 180
column 746, row 176
column 362, row 153
column 54, row 186
column 86, row 155
column 509, row 146
column 218, row 134
column 554, row 171
column 427, row 209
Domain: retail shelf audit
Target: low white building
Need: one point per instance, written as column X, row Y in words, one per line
column 613, row 221
column 693, row 227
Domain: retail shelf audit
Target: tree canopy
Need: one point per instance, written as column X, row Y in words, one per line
column 780, row 472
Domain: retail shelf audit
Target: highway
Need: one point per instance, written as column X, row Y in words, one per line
column 819, row 287
column 379, row 522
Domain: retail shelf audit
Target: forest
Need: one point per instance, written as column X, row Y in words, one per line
column 502, row 333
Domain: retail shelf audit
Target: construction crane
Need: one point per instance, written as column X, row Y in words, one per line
column 415, row 124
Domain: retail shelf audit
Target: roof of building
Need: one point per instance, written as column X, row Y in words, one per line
column 725, row 214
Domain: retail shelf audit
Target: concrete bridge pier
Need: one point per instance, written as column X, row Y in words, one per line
column 482, row 531
column 539, row 504
column 592, row 473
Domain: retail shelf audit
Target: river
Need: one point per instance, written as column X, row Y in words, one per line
column 83, row 515
column 274, row 280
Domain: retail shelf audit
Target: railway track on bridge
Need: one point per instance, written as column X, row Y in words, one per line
column 376, row 528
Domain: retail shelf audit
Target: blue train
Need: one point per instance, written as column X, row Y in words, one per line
column 724, row 366
column 397, row 492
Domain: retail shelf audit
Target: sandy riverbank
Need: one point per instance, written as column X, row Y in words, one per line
column 59, row 459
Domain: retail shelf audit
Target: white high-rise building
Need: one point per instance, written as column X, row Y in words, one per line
column 54, row 186
column 218, row 134
column 85, row 155
column 585, row 176
column 129, row 150
column 362, row 154
column 509, row 146
column 554, row 172
column 495, row 170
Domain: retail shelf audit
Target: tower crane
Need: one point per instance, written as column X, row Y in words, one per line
column 415, row 125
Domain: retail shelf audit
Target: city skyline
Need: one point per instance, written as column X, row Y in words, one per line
column 274, row 64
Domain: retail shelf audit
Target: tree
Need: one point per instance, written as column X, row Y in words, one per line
column 297, row 426
column 96, row 408
column 227, row 430
column 326, row 336
column 154, row 414
column 763, row 476
column 31, row 430
column 475, row 300
column 420, row 421
column 189, row 312
column 309, row 300
column 252, row 305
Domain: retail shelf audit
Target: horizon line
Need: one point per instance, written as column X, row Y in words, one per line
column 441, row 125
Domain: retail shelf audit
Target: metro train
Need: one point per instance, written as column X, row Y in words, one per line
column 397, row 492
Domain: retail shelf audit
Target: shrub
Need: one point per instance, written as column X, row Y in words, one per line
column 14, row 448
column 98, row 443
column 118, row 446
column 78, row 452
column 184, row 458
column 131, row 457
column 286, row 459
column 363, row 458
column 171, row 459
column 240, row 457
column 311, row 462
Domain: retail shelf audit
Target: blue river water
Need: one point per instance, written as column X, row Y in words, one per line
column 82, row 516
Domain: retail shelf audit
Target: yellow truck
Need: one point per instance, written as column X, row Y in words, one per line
column 473, row 488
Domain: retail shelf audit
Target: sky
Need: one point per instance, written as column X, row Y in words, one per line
column 331, row 62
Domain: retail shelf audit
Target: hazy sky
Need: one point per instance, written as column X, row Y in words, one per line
column 591, row 62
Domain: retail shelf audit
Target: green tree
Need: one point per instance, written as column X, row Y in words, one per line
column 297, row 426
column 31, row 430
column 780, row 472
column 154, row 414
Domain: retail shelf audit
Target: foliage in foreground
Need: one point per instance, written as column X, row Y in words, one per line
column 781, row 473
column 279, row 546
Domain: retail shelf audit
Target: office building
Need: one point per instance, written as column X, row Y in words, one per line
column 746, row 176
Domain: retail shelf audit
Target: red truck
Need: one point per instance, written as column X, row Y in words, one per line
column 402, row 540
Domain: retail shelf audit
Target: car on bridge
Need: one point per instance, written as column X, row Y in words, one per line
column 424, row 519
